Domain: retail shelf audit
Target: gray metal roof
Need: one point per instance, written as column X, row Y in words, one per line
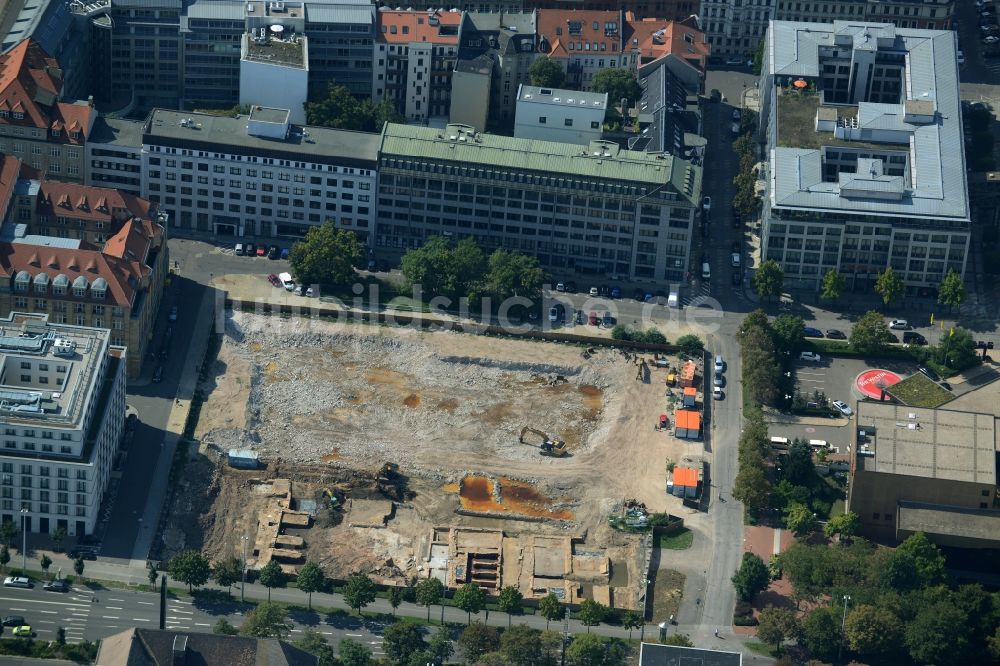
column 45, row 20
column 216, row 9
column 116, row 132
column 340, row 13
column 935, row 184
column 558, row 97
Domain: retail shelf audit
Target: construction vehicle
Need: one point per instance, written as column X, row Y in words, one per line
column 336, row 501
column 548, row 447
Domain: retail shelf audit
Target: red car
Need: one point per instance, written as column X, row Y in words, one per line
column 593, row 319
column 273, row 279
column 261, row 250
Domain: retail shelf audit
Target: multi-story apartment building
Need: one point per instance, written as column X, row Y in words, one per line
column 210, row 38
column 925, row 14
column 415, row 53
column 866, row 160
column 86, row 256
column 62, row 412
column 146, row 66
column 820, row 11
column 733, row 27
column 671, row 10
column 925, row 470
column 258, row 175
column 114, row 155
column 560, row 115
column 585, row 42
column 598, row 209
column 35, row 125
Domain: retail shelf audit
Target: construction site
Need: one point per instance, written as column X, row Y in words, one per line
column 403, row 454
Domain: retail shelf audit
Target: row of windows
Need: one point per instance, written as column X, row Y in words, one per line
column 61, row 510
column 43, row 470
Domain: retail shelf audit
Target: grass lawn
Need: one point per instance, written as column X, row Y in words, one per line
column 678, row 541
column 762, row 648
column 919, row 391
column 668, row 588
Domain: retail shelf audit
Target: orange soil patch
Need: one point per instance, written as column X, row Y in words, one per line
column 477, row 494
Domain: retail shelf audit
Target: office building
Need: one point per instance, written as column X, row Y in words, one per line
column 595, row 209
column 669, row 112
column 62, row 410
column 258, row 175
column 817, row 11
column 926, row 470
column 210, row 36
column 733, row 29
column 866, row 160
column 36, row 126
column 114, row 155
column 923, row 14
column 58, row 31
column 152, row 647
column 566, row 116
column 274, row 72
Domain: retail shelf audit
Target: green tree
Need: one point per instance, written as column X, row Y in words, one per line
column 523, row 646
column 776, row 625
column 753, row 489
column 228, row 572
column 993, row 644
column 311, row 579
column 872, row 631
column 341, row 110
column 928, row 560
column 617, row 82
column 820, row 633
column 939, row 634
column 271, row 576
column 591, row 613
column 761, row 373
column 188, row 566
column 510, row 602
column 653, row 336
column 550, row 607
column 514, row 274
column 870, row 334
column 314, row 643
column 266, row 620
column 546, row 73
column 833, row 286
column 478, row 639
column 395, row 598
column 622, row 332
column 224, row 628
column 690, row 343
column 951, row 291
column 799, row 468
column 151, row 573
column 889, row 286
column 7, row 532
column 800, row 519
column 45, row 563
column 844, row 524
column 353, row 653
column 680, row 640
column 585, row 650
column 631, row 620
column 752, row 577
column 768, row 279
column 442, row 270
column 327, row 255
column 359, row 592
column 957, row 350
column 61, row 636
column 401, row 640
column 789, row 333
column 429, row 592
column 755, row 321
column 440, row 647
column 758, row 57
column 471, row 598
column 78, row 568
column 58, row 535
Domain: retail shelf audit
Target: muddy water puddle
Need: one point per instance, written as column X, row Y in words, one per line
column 477, row 493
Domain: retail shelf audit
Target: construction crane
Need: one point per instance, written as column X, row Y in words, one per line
column 548, row 447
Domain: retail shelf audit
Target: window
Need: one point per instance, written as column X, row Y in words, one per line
column 568, row 122
column 542, row 120
column 595, row 124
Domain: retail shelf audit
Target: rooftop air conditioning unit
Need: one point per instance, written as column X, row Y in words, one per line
column 63, row 347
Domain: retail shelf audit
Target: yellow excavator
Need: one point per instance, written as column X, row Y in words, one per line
column 548, row 447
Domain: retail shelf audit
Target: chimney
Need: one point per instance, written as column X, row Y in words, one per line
column 180, row 650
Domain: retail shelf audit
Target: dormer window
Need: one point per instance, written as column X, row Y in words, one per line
column 4, row 113
column 19, row 115
column 56, row 132
column 74, row 135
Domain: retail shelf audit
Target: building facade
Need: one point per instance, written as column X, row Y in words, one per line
column 114, row 155
column 599, row 210
column 258, row 175
column 735, row 28
column 58, row 31
column 62, row 414
column 585, row 42
column 866, row 163
column 568, row 116
column 274, row 72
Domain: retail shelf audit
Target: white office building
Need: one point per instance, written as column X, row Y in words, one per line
column 258, row 176
column 567, row 116
column 62, row 411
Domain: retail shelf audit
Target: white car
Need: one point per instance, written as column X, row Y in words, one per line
column 735, row 259
column 706, row 204
column 899, row 324
column 991, row 39
column 734, row 129
column 717, row 392
column 810, row 356
column 593, row 291
column 16, row 581
column 843, row 408
column 736, row 114
column 717, row 382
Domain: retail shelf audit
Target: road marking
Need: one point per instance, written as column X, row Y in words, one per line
column 146, row 603
column 111, row 617
column 202, row 624
column 354, row 635
column 47, row 612
column 121, row 600
column 178, row 601
column 46, row 622
column 293, row 630
column 51, row 603
column 327, row 633
column 141, row 619
column 113, row 607
column 19, row 609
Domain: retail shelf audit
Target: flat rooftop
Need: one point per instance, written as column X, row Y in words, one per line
column 267, row 114
column 558, row 97
column 979, row 524
column 117, row 132
column 223, row 134
column 928, row 443
column 286, row 53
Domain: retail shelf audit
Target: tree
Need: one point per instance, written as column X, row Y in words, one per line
column 617, row 82
column 58, row 535
column 401, row 640
column 993, row 644
column 478, row 639
column 939, row 634
column 510, row 601
column 353, row 653
column 833, row 286
column 680, row 640
column 769, row 279
column 524, row 646
column 870, row 334
column 690, row 343
column 752, row 577
column 151, row 573
column 951, row 291
column 7, row 532
column 755, row 321
column 441, row 270
column 592, row 613
column 546, row 73
column 844, row 524
column 271, row 576
column 789, row 332
column 395, row 598
column 61, row 636
column 957, row 350
column 585, row 650
column 551, row 608
column 4, row 557
column 889, row 286
column 800, row 519
column 78, row 568
column 266, row 620
column 820, row 633
column 326, row 255
column 314, row 643
column 440, row 646
column 928, row 560
column 776, row 625
column 359, row 592
column 228, row 572
column 799, row 468
column 191, row 567
column 471, row 598
column 429, row 592
column 631, row 620
column 224, row 628
column 872, row 631
column 45, row 563
column 311, row 579
column 341, row 110
column 514, row 274
column 752, row 488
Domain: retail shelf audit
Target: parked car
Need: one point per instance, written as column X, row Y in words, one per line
column 638, row 295
column 616, row 292
column 812, row 357
column 273, row 279
column 899, row 324
column 706, row 204
column 238, row 250
column 811, row 332
column 273, row 252
column 249, row 248
column 593, row 319
column 56, row 586
column 720, row 363
column 570, row 287
column 580, row 318
column 736, row 114
column 930, row 374
column 718, row 380
column 261, row 250
column 172, row 315
column 284, row 253
column 593, row 291
column 842, row 407
column 560, row 287
column 717, row 393
column 23, row 630
column 734, row 259
column 608, row 320
column 835, row 334
column 84, row 552
column 991, row 39
column 158, row 374
column 13, row 621
column 556, row 312
column 16, row 581
column 734, row 129
column 914, row 338
column 735, row 61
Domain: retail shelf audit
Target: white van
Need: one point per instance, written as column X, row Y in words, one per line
column 706, row 271
column 673, row 300
column 239, row 250
column 286, row 279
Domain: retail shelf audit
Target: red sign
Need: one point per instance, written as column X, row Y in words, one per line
column 871, row 382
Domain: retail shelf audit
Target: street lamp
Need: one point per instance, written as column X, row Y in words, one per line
column 243, row 583
column 24, row 542
column 843, row 622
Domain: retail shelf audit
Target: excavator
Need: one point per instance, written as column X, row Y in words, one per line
column 549, row 447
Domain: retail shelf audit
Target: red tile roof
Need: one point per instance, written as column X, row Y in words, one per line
column 59, row 199
column 30, row 84
column 687, row 419
column 590, row 32
column 407, row 27
column 10, row 167
column 685, row 476
column 655, row 38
